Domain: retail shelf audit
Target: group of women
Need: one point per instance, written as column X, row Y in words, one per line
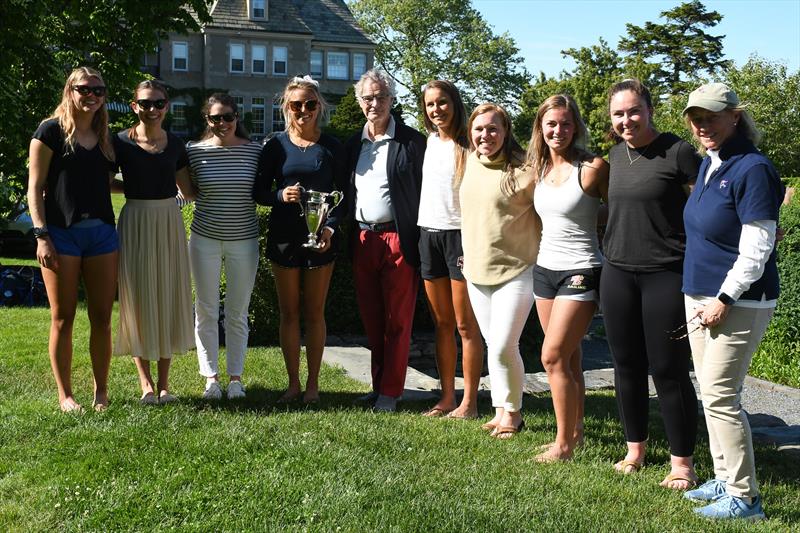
column 688, row 262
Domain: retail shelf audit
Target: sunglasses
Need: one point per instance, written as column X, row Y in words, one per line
column 86, row 90
column 297, row 105
column 686, row 329
column 147, row 105
column 227, row 117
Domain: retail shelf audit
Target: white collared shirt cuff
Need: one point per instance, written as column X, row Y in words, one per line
column 755, row 246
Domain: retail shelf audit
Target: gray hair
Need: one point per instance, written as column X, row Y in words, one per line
column 377, row 76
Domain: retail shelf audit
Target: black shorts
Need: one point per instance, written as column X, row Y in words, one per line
column 580, row 284
column 440, row 254
column 293, row 255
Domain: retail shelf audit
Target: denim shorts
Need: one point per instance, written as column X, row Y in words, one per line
column 85, row 239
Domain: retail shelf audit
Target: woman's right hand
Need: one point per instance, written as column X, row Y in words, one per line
column 46, row 253
column 292, row 193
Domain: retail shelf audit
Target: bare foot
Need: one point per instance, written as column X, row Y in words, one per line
column 680, row 478
column 290, row 395
column 464, row 412
column 311, row 396
column 100, row 402
column 554, row 454
column 69, row 405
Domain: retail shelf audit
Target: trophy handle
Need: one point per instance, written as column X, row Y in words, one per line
column 337, row 198
column 302, row 200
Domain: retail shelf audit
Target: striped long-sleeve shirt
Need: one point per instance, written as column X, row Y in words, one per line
column 224, row 177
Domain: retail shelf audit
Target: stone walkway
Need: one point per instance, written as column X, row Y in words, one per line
column 773, row 410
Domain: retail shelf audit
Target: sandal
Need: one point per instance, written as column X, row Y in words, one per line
column 435, row 412
column 691, row 479
column 506, row 432
column 627, row 466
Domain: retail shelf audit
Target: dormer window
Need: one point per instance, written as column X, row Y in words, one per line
column 259, row 9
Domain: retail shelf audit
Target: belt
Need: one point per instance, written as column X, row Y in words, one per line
column 378, row 227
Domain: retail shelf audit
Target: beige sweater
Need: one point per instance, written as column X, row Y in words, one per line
column 500, row 234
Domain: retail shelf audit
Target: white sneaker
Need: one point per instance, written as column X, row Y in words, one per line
column 235, row 390
column 213, row 392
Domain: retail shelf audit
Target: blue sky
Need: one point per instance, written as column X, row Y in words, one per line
column 542, row 28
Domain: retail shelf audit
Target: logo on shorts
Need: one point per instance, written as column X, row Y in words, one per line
column 460, row 262
column 578, row 281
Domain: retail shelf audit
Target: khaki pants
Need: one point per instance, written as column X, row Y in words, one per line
column 721, row 358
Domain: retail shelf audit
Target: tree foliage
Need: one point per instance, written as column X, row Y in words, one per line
column 42, row 41
column 420, row 40
column 680, row 47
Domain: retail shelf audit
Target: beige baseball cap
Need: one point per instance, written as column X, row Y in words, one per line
column 713, row 97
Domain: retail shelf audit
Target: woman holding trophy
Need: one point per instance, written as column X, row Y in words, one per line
column 301, row 246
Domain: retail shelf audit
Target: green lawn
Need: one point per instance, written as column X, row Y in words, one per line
column 201, row 466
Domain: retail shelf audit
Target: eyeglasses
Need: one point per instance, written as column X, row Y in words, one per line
column 375, row 98
column 227, row 117
column 86, row 90
column 297, row 105
column 147, row 105
column 676, row 335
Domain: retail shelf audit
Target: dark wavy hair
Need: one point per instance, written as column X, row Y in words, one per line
column 228, row 101
column 458, row 125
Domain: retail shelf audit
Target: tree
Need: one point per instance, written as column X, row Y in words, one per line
column 420, row 40
column 348, row 117
column 43, row 41
column 772, row 97
column 681, row 48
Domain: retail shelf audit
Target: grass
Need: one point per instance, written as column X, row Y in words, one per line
column 199, row 466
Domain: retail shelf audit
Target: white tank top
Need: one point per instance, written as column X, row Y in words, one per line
column 569, row 225
column 438, row 200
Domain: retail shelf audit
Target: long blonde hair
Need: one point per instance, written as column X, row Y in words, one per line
column 538, row 152
column 511, row 150
column 65, row 114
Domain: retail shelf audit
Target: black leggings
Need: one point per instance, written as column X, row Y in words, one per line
column 639, row 309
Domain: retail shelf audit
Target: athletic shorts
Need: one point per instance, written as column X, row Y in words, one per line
column 440, row 254
column 85, row 239
column 580, row 284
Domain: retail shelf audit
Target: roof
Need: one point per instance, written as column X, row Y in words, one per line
column 323, row 20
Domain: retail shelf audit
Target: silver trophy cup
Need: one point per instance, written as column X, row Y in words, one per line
column 315, row 207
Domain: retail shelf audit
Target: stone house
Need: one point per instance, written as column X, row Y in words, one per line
column 251, row 49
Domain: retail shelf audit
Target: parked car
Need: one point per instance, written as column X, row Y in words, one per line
column 16, row 233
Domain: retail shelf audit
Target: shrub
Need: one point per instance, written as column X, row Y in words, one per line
column 778, row 357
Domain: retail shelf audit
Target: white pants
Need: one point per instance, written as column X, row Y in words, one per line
column 502, row 311
column 241, row 262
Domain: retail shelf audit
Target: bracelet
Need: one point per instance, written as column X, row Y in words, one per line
column 725, row 299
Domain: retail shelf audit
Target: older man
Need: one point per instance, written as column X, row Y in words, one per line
column 385, row 161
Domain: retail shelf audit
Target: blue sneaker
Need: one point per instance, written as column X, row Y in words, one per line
column 710, row 491
column 730, row 507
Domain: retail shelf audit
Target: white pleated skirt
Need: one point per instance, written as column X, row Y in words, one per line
column 155, row 286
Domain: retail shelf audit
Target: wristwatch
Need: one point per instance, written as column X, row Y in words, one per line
column 41, row 232
column 724, row 298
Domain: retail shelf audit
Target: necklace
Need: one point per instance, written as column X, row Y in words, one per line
column 557, row 178
column 296, row 139
column 635, row 159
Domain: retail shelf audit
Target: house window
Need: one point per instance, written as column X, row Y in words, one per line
column 259, row 9
column 259, row 53
column 239, row 101
column 257, row 114
column 278, row 122
column 359, row 65
column 180, row 56
column 280, row 56
column 237, row 57
column 180, row 125
column 316, row 64
column 337, row 65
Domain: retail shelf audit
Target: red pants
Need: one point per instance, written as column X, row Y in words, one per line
column 386, row 290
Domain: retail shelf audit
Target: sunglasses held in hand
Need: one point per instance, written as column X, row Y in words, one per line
column 227, row 117
column 86, row 90
column 147, row 105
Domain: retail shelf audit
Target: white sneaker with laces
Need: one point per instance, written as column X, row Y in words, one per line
column 213, row 392
column 236, row 390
